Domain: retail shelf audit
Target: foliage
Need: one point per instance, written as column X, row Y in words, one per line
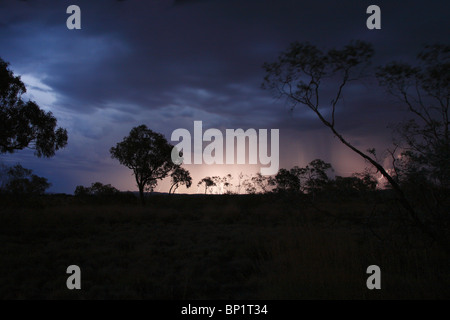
column 310, row 179
column 18, row 180
column 264, row 184
column 179, row 177
column 300, row 75
column 315, row 175
column 208, row 182
column 223, row 184
column 96, row 189
column 24, row 124
column 357, row 184
column 287, row 181
column 423, row 141
column 148, row 154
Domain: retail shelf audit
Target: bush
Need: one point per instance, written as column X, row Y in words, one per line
column 18, row 180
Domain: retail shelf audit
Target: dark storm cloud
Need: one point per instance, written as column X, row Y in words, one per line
column 167, row 63
column 151, row 54
column 180, row 2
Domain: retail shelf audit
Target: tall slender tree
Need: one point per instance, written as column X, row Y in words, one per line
column 300, row 74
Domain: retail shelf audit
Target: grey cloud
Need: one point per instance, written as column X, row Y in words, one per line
column 168, row 65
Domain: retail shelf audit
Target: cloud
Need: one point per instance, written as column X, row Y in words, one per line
column 168, row 63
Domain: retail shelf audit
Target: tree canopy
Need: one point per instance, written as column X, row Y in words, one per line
column 18, row 180
column 310, row 179
column 208, row 182
column 148, row 154
column 24, row 124
column 423, row 140
column 96, row 189
column 179, row 177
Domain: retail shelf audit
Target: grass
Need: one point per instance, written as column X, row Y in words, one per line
column 215, row 247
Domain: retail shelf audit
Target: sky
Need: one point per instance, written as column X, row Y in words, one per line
column 166, row 64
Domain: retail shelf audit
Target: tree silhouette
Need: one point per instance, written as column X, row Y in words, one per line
column 21, row 181
column 97, row 189
column 148, row 154
column 315, row 175
column 226, row 183
column 24, row 124
column 249, row 185
column 310, row 179
column 223, row 183
column 263, row 184
column 357, row 184
column 424, row 140
column 240, row 180
column 179, row 177
column 207, row 181
column 287, row 181
column 299, row 75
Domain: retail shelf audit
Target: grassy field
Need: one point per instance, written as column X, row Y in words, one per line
column 216, row 247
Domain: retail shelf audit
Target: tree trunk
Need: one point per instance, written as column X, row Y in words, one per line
column 141, row 195
column 441, row 240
